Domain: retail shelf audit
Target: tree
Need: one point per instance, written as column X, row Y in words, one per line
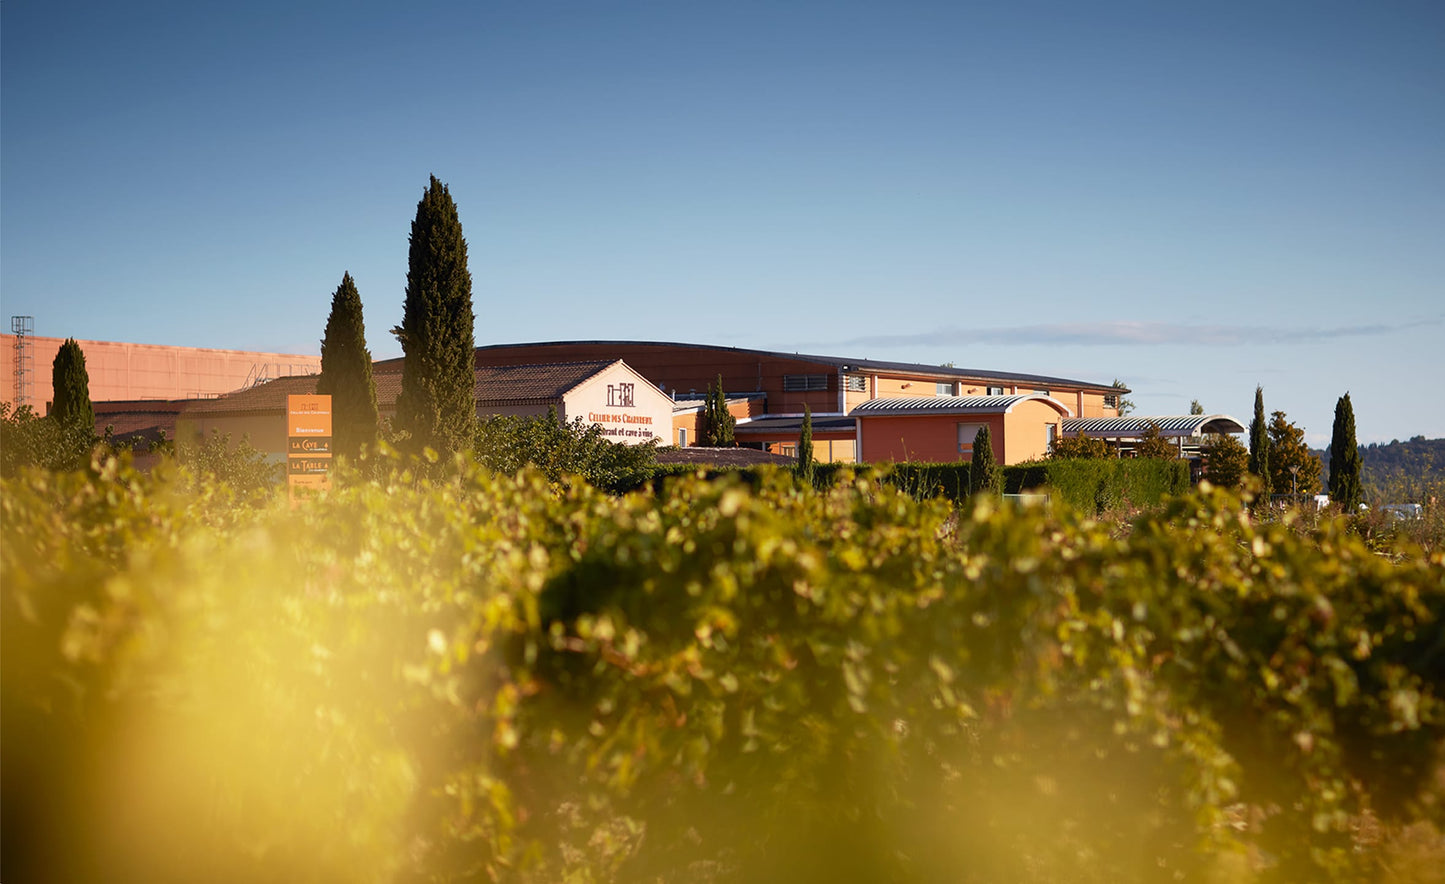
column 1124, row 406
column 1079, row 447
column 346, row 372
column 1153, row 444
column 1259, row 443
column 71, row 408
column 436, row 406
column 1195, row 407
column 805, row 446
column 1290, row 463
column 984, row 476
column 1226, row 460
column 717, row 421
column 1345, row 491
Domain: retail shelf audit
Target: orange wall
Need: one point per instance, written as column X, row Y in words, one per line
column 927, row 438
column 147, row 371
column 1025, row 431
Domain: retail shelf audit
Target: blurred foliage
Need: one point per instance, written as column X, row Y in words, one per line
column 502, row 677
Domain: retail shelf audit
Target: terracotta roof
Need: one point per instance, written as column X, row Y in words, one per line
column 494, row 385
column 270, row 396
column 531, row 383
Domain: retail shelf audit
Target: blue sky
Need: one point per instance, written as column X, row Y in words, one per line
column 1193, row 198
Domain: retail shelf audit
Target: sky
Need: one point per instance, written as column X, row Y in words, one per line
column 1192, row 198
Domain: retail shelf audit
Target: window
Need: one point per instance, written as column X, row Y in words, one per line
column 804, row 383
column 966, row 434
column 619, row 396
column 855, row 383
column 1053, row 436
column 1042, row 392
column 995, row 391
column 1111, row 400
column 943, row 388
column 682, row 437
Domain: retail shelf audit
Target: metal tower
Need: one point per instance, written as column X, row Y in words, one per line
column 23, row 327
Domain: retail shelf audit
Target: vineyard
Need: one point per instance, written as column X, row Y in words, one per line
column 492, row 677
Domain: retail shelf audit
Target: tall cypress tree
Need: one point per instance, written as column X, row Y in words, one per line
column 437, row 406
column 718, row 422
column 805, row 446
column 346, row 372
column 71, row 407
column 1345, row 489
column 984, row 476
column 1259, row 442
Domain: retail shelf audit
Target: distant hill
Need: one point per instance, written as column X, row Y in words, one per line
column 1399, row 472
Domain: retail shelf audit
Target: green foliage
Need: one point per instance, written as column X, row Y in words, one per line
column 1153, row 444
column 27, row 440
column 1226, row 460
column 805, row 447
column 239, row 467
column 483, row 679
column 717, row 422
column 1125, row 406
column 1079, row 447
column 984, row 476
column 1345, row 491
column 1101, row 486
column 1195, row 407
column 1259, row 465
column 71, row 383
column 437, row 406
column 1293, row 469
column 346, row 373
column 1402, row 472
column 563, row 450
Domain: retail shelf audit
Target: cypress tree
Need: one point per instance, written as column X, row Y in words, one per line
column 1259, row 443
column 437, row 406
column 71, row 383
column 1345, row 458
column 346, row 372
column 805, row 446
column 718, row 422
column 984, row 476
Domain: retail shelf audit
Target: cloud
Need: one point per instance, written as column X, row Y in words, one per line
column 1145, row 334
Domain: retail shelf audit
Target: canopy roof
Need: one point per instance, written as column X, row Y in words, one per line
column 920, row 405
column 1189, row 426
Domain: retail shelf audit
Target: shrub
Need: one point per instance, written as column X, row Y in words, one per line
column 561, row 450
column 485, row 678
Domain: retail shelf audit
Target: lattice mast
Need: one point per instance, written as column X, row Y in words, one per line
column 23, row 327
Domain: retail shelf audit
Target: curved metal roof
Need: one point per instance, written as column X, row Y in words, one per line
column 913, row 405
column 840, row 363
column 1172, row 426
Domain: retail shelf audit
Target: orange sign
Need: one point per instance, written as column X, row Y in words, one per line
column 308, row 416
column 308, row 445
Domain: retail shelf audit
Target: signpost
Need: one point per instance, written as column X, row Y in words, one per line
column 308, row 445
